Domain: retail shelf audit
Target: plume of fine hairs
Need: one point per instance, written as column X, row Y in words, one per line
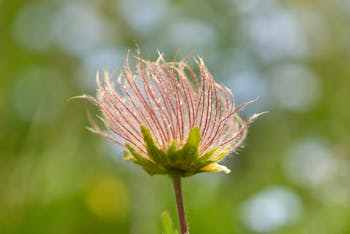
column 165, row 105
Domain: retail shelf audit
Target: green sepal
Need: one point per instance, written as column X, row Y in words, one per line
column 129, row 157
column 183, row 162
column 207, row 155
column 156, row 154
column 220, row 156
column 189, row 151
column 147, row 165
column 171, row 153
column 204, row 160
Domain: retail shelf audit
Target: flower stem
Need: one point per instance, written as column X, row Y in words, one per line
column 180, row 204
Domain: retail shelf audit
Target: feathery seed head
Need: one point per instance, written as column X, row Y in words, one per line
column 169, row 120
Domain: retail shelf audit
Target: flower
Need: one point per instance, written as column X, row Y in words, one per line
column 168, row 120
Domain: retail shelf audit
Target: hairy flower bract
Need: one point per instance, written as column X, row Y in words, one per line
column 168, row 119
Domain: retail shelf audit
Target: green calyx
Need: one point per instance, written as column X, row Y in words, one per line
column 183, row 162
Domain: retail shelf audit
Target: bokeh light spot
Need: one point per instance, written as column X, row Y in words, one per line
column 271, row 209
column 142, row 16
column 276, row 35
column 310, row 162
column 107, row 198
column 38, row 94
column 33, row 24
column 184, row 35
column 79, row 28
column 295, row 87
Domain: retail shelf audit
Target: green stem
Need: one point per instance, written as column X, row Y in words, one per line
column 180, row 204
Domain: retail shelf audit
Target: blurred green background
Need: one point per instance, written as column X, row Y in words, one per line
column 293, row 176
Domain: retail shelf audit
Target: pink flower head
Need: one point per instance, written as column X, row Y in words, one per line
column 170, row 119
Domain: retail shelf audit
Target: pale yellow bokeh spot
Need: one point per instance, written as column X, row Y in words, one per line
column 107, row 198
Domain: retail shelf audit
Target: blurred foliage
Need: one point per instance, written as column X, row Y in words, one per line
column 167, row 224
column 292, row 177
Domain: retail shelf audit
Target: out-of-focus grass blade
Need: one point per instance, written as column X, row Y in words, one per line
column 167, row 226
